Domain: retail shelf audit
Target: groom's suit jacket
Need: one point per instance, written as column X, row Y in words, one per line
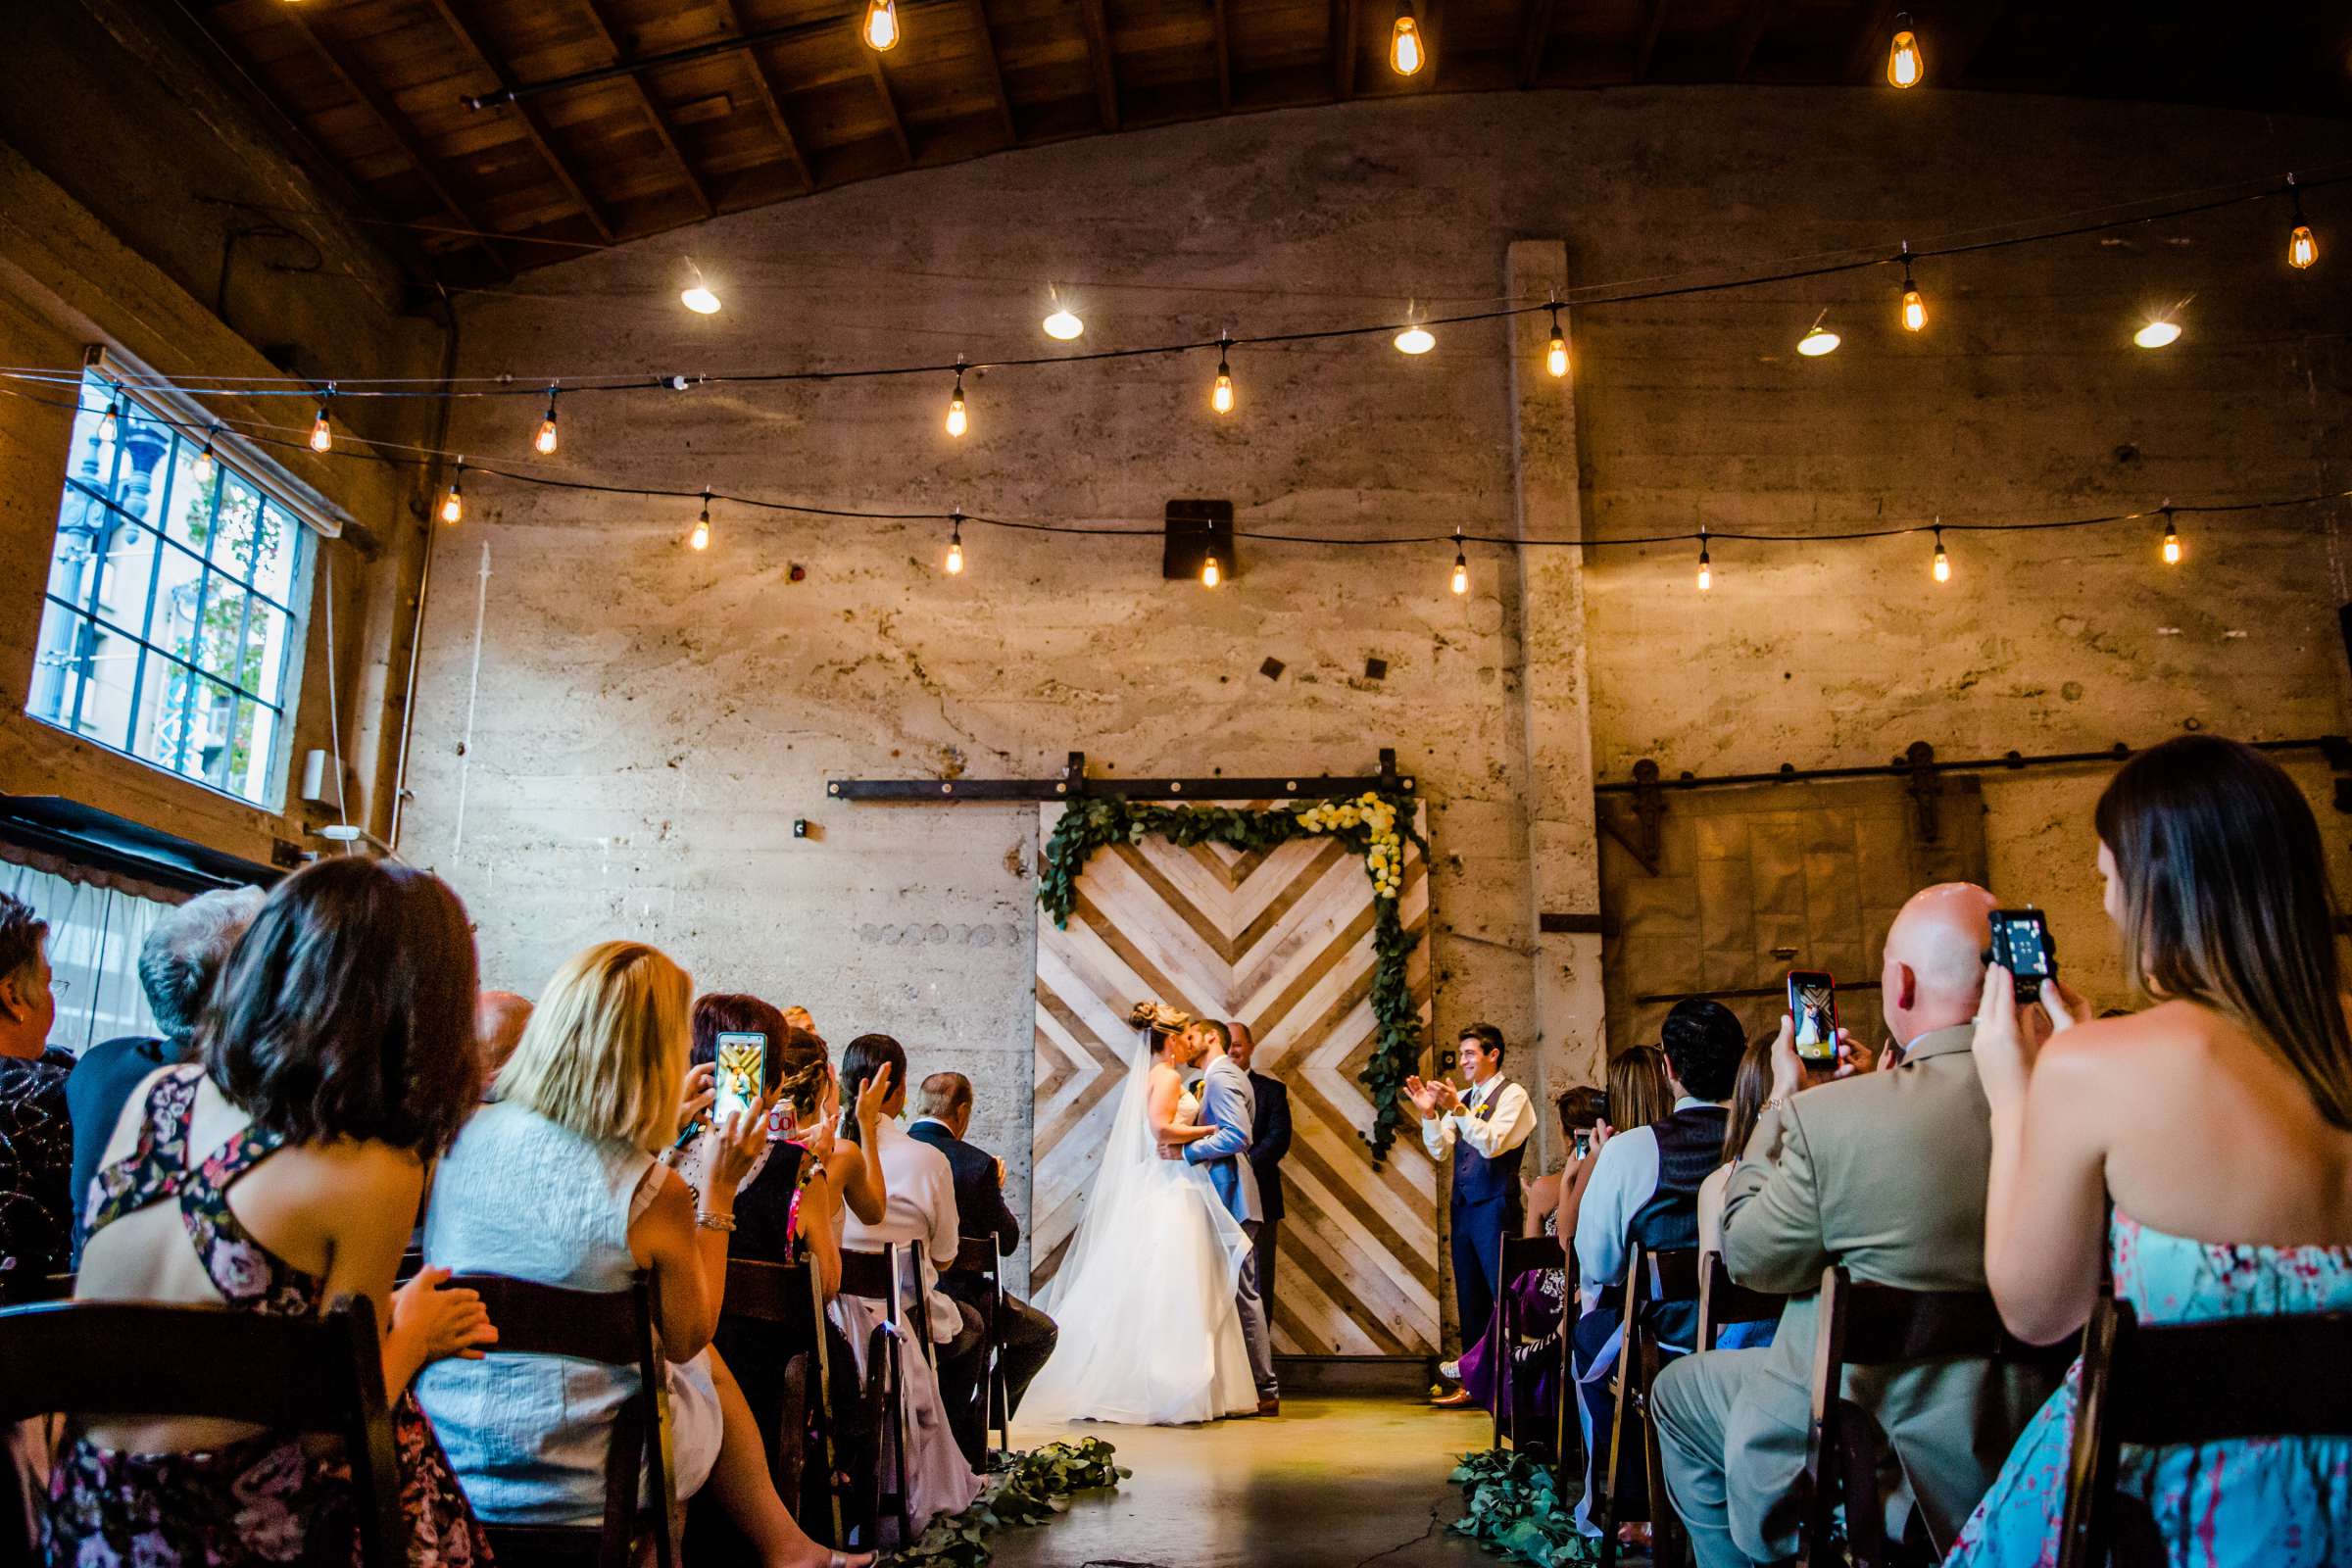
column 1227, row 1104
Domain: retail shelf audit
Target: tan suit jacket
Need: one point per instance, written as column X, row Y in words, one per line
column 1885, row 1174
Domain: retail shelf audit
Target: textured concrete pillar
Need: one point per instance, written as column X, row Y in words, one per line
column 1562, row 846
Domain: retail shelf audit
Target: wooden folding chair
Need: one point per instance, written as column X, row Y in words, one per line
column 289, row 1374
column 616, row 1328
column 1521, row 1256
column 1874, row 1325
column 1651, row 1279
column 877, row 1277
column 1722, row 1304
column 787, row 1301
column 2160, row 1385
column 976, row 1257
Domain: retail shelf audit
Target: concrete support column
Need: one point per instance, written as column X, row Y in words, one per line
column 1563, row 847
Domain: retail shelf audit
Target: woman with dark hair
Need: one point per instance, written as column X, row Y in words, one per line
column 2201, row 1150
column 337, row 1063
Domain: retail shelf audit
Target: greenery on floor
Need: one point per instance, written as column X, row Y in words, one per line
column 1512, row 1503
column 1021, row 1489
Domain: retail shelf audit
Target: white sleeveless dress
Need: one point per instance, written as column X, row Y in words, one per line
column 1151, row 1335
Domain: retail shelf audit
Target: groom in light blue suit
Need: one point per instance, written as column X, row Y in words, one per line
column 1228, row 1105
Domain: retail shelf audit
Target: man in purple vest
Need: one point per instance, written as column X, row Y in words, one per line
column 1484, row 1128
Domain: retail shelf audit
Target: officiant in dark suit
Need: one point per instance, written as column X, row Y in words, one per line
column 1269, row 1142
column 1024, row 1336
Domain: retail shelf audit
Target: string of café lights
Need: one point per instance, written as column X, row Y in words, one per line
column 1408, row 54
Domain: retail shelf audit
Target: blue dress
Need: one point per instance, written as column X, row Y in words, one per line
column 2263, row 1503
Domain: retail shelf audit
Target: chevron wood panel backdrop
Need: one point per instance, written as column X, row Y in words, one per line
column 1281, row 939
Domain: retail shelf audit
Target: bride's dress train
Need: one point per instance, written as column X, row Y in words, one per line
column 1145, row 1296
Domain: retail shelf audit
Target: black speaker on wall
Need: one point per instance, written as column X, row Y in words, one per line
column 2344, row 624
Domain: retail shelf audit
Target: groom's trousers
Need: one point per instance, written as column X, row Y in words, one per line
column 1254, row 1334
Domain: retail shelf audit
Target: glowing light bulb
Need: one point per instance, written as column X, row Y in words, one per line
column 1817, row 341
column 956, row 422
column 881, row 28
column 696, row 296
column 1941, row 567
column 545, row 441
column 2157, row 335
column 1555, row 358
column 2172, row 551
column 1211, row 575
column 201, row 471
column 322, row 438
column 111, row 420
column 1407, row 54
column 1415, row 339
column 1707, row 568
column 1064, row 323
column 1220, row 397
column 1906, row 65
column 453, row 505
column 955, row 548
column 1915, row 308
column 2301, row 248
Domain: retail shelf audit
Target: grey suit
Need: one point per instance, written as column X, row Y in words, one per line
column 1228, row 1105
column 1884, row 1175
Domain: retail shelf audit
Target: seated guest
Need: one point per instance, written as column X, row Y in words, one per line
column 279, row 1174
column 922, row 1216
column 36, row 1131
column 1747, row 1104
column 1025, row 1336
column 2199, row 1149
column 183, row 954
column 558, row 1182
column 1882, row 1173
column 1641, row 1089
column 1644, row 1192
column 499, row 1020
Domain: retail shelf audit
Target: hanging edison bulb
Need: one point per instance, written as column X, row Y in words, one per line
column 322, row 438
column 453, row 505
column 2302, row 246
column 1220, row 396
column 1555, row 356
column 2171, row 550
column 1211, row 573
column 201, row 471
column 1941, row 567
column 545, row 442
column 112, row 420
column 1407, row 53
column 956, row 422
column 1461, row 564
column 1415, row 338
column 700, row 539
column 1706, row 567
column 956, row 542
column 1906, row 65
column 881, row 29
column 1915, row 306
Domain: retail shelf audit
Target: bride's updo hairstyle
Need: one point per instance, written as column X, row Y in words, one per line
column 1162, row 1021
column 2224, row 900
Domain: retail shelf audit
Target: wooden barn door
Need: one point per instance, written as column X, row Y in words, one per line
column 1281, row 939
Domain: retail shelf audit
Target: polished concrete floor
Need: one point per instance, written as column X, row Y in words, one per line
column 1331, row 1482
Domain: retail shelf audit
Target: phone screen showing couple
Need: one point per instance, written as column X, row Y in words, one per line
column 739, row 1064
column 1813, row 1010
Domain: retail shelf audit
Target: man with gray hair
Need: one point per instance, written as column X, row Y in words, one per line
column 182, row 956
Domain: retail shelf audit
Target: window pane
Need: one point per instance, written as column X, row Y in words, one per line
column 107, row 665
column 228, row 535
column 267, row 639
column 272, row 552
column 255, row 748
column 220, row 639
column 178, row 593
column 58, row 666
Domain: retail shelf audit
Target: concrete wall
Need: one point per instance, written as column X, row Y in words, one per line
column 133, row 193
column 630, row 728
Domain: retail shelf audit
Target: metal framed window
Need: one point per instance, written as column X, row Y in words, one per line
column 172, row 627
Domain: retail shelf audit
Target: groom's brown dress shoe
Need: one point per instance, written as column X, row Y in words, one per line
column 1271, row 1405
column 1452, row 1401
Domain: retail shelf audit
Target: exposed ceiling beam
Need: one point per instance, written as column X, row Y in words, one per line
column 995, row 72
column 1652, row 24
column 771, row 95
column 889, row 100
column 1534, row 33
column 1753, row 28
column 1224, row 57
column 1343, row 49
column 663, row 131
column 532, row 124
column 403, row 131
column 1869, row 55
column 1098, row 50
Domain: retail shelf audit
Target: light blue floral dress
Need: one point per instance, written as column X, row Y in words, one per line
column 2261, row 1502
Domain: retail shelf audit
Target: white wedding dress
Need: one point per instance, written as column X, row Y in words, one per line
column 1145, row 1296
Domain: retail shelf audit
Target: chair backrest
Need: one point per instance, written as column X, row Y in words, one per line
column 976, row 1254
column 778, row 1294
column 2151, row 1385
column 290, row 1374
column 873, row 1275
column 1672, row 1275
column 617, row 1328
column 1721, row 1302
column 1880, row 1325
column 1521, row 1254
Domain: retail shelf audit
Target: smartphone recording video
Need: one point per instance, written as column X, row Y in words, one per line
column 740, row 1066
column 1813, row 1008
column 2021, row 944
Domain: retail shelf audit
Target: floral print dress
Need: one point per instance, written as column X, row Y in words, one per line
column 268, row 1499
column 2255, row 1502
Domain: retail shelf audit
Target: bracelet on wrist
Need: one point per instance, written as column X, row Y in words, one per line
column 710, row 1221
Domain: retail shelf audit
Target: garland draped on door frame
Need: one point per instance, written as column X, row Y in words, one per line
column 1375, row 826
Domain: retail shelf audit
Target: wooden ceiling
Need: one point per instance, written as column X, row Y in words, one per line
column 599, row 144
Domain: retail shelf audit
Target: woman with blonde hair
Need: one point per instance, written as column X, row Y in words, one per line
column 559, row 1182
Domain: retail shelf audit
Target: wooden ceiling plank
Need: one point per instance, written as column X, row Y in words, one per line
column 771, row 95
column 403, row 131
column 890, row 102
column 1224, row 57
column 1753, row 28
column 1868, row 58
column 1646, row 50
column 1534, row 33
column 1343, row 30
column 663, row 131
column 1098, row 49
column 534, row 126
column 994, row 63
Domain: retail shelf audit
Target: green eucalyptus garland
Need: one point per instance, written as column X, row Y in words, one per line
column 1021, row 1489
column 1512, row 1503
column 1374, row 826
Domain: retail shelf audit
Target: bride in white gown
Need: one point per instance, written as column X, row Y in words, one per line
column 1151, row 1335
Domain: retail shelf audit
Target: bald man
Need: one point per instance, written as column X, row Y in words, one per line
column 1882, row 1173
column 499, row 1020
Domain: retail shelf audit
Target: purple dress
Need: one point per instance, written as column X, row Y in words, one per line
column 1538, row 1295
